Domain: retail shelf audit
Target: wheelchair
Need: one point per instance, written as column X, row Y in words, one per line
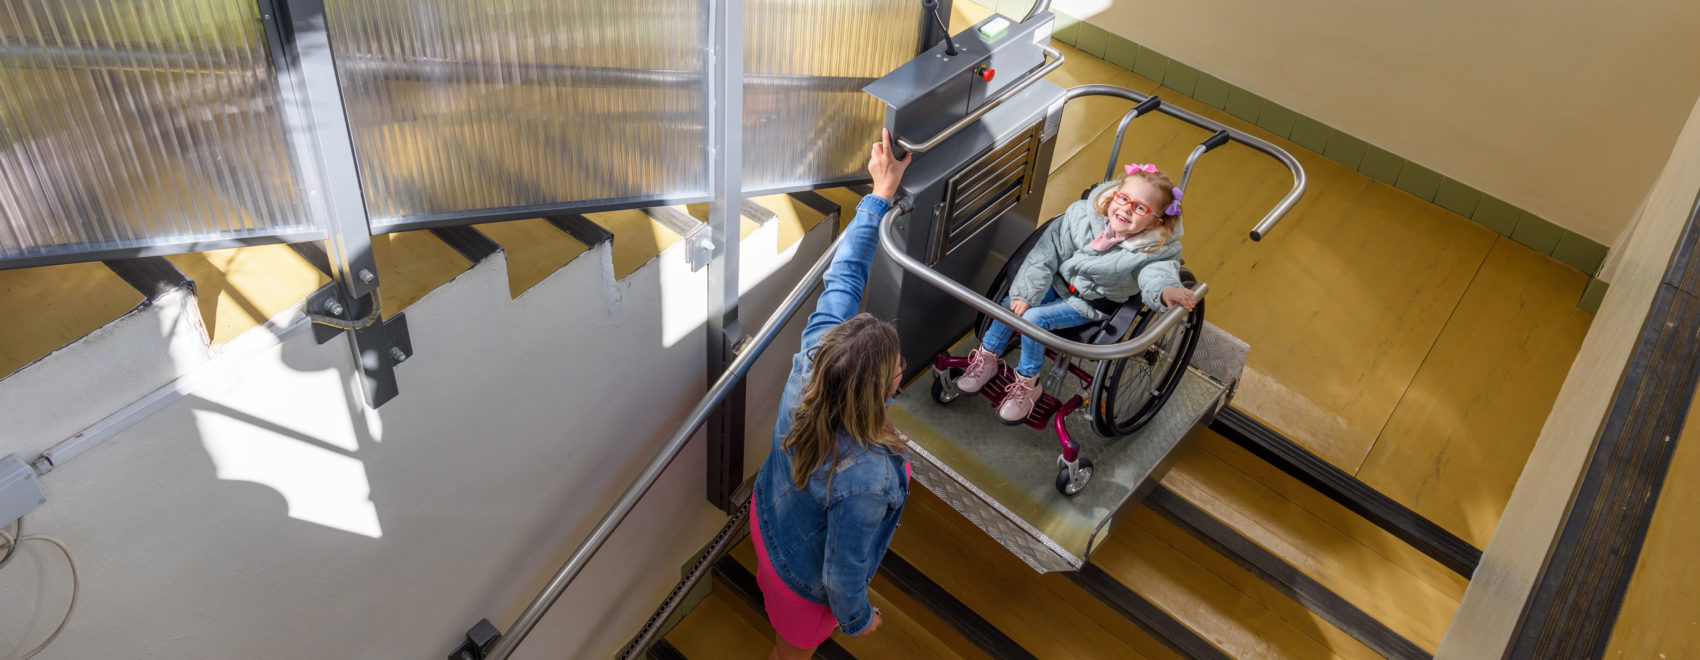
column 1119, row 396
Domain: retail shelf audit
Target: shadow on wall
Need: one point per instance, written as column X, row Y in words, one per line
column 518, row 423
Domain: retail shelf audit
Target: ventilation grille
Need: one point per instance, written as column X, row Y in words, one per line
column 983, row 190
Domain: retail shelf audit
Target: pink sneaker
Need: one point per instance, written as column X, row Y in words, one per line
column 1019, row 399
column 983, row 365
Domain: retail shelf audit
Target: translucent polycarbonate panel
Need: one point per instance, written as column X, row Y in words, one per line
column 463, row 106
column 150, row 124
column 806, row 118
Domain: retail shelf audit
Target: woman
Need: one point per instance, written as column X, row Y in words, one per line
column 827, row 500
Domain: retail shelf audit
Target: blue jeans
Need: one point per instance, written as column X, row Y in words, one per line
column 1050, row 314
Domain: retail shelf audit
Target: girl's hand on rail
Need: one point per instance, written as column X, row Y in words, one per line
column 1177, row 296
column 887, row 171
column 1019, row 306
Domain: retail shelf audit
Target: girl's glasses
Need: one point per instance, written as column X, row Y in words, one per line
column 1139, row 210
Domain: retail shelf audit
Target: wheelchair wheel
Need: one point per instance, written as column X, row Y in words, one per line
column 944, row 394
column 1127, row 393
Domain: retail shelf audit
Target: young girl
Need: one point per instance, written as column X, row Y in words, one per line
column 827, row 500
column 1123, row 239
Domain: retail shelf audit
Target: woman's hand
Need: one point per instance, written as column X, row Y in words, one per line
column 1019, row 306
column 887, row 171
column 1177, row 296
column 872, row 625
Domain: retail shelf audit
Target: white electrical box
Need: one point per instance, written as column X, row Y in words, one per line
column 20, row 492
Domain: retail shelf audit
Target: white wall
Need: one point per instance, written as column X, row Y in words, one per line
column 1513, row 559
column 269, row 515
column 1566, row 109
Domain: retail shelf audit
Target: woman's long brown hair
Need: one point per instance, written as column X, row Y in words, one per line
column 855, row 365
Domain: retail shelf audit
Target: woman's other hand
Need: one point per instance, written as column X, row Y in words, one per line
column 872, row 625
column 887, row 171
column 1019, row 306
column 1177, row 296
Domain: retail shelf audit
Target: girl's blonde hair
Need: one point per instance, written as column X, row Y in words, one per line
column 855, row 364
column 1162, row 183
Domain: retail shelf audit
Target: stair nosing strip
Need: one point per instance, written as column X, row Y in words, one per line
column 1409, row 526
column 1285, row 577
column 1143, row 613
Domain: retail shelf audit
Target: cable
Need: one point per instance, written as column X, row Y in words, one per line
column 76, row 583
column 11, row 548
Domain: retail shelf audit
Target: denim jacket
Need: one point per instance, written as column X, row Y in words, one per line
column 824, row 545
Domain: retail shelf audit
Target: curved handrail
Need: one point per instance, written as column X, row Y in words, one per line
column 1281, row 208
column 1056, row 60
column 587, row 548
column 1165, row 322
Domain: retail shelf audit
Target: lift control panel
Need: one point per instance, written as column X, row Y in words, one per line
column 937, row 88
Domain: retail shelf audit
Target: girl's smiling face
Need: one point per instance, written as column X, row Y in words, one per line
column 1135, row 207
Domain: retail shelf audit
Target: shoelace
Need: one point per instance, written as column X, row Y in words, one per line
column 1023, row 391
column 977, row 361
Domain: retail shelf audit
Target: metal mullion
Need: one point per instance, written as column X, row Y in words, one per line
column 726, row 112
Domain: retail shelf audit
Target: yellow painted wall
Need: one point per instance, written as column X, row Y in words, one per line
column 1513, row 558
column 1522, row 100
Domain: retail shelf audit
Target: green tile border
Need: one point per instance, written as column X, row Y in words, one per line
column 1277, row 119
column 1535, row 232
column 1420, row 181
column 1180, row 77
column 1580, row 253
column 1093, row 40
column 1212, row 91
column 1381, row 164
column 1152, row 64
column 1245, row 105
column 1121, row 52
column 1592, row 295
column 1563, row 245
column 1457, row 197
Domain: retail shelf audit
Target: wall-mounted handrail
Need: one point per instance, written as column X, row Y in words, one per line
column 587, row 548
column 1281, row 208
column 1055, row 60
column 1165, row 322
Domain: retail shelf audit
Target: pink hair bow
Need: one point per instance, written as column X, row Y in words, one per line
column 1136, row 167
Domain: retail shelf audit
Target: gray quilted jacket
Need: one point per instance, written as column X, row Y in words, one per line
column 1064, row 254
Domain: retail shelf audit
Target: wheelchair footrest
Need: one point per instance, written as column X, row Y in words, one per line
column 997, row 390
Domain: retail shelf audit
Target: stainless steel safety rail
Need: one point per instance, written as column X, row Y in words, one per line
column 1275, row 214
column 1054, row 60
column 1165, row 323
column 587, row 548
column 1169, row 319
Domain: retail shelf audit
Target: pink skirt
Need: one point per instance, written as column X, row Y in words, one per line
column 802, row 622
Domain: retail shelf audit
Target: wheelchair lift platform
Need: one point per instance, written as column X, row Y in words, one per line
column 1002, row 477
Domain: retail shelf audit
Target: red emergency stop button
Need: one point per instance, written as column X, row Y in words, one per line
column 986, row 73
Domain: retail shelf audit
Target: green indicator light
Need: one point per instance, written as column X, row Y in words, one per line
column 994, row 28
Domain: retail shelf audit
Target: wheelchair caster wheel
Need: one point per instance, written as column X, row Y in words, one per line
column 1070, row 483
column 944, row 386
